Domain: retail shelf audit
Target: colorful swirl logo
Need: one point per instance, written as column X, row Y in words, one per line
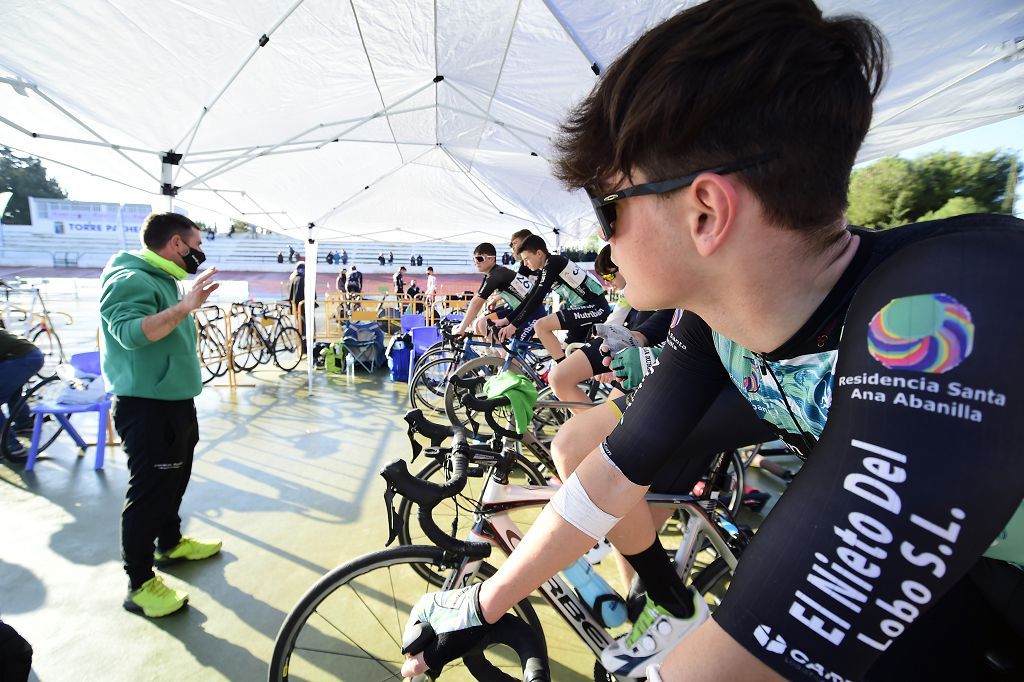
column 930, row 333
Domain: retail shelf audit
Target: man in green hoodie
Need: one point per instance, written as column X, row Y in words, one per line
column 150, row 364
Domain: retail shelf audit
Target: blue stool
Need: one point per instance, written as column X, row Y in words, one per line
column 85, row 362
column 63, row 413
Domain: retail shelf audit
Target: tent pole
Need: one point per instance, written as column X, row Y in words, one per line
column 263, row 40
column 246, row 157
column 334, row 210
column 77, row 120
column 73, row 140
column 594, row 66
column 496, row 122
column 310, row 305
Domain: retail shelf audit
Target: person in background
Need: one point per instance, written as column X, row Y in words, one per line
column 330, row 258
column 380, row 258
column 342, row 280
column 412, row 292
column 431, row 290
column 19, row 360
column 412, row 261
column 344, row 257
column 399, row 279
column 354, row 285
column 297, row 296
column 150, row 365
column 391, row 257
column 419, row 260
column 280, row 256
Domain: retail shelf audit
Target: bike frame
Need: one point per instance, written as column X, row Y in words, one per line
column 494, row 526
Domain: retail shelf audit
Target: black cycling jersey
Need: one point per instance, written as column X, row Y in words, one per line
column 909, row 361
column 355, row 282
column 574, row 284
column 399, row 282
column 511, row 287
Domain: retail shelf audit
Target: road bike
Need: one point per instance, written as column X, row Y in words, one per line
column 349, row 625
column 264, row 335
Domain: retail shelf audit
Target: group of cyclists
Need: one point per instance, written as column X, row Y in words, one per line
column 717, row 151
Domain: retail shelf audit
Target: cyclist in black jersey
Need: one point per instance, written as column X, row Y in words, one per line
column 509, row 288
column 645, row 327
column 717, row 151
column 583, row 299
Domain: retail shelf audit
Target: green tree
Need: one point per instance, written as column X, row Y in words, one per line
column 954, row 207
column 1010, row 195
column 894, row 190
column 24, row 177
column 883, row 194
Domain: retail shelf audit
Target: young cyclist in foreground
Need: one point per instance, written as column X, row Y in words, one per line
column 717, row 150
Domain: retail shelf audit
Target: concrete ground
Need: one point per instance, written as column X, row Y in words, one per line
column 288, row 481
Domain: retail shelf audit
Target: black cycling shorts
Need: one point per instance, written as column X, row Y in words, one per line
column 579, row 320
column 592, row 349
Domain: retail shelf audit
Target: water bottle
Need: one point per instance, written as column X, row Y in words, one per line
column 350, row 365
column 607, row 606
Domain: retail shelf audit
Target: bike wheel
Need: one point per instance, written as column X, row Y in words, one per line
column 479, row 369
column 349, row 625
column 246, row 345
column 429, row 383
column 288, row 348
column 51, row 426
column 449, row 515
column 46, row 340
column 213, row 352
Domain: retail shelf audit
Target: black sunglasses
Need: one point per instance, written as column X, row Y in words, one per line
column 604, row 206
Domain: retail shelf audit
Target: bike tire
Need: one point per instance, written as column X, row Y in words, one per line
column 311, row 645
column 213, row 352
column 429, row 382
column 486, row 366
column 47, row 341
column 246, row 343
column 447, row 516
column 287, row 348
column 51, row 427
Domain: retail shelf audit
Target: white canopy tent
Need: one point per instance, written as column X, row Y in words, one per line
column 404, row 120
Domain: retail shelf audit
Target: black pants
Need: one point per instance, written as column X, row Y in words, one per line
column 159, row 438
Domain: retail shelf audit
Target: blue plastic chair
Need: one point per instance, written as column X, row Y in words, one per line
column 410, row 320
column 90, row 364
column 422, row 339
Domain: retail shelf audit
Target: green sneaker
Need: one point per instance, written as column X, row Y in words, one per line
column 187, row 549
column 154, row 599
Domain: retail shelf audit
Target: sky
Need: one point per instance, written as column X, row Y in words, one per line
column 1007, row 134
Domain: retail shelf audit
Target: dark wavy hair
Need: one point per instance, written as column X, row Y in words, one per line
column 732, row 79
column 158, row 228
column 603, row 264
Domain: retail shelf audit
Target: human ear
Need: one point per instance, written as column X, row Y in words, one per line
column 715, row 201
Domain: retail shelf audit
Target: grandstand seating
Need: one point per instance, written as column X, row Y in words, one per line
column 22, row 246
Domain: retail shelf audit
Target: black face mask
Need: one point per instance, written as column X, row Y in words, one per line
column 193, row 259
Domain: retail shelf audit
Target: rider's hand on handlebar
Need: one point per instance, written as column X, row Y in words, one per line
column 457, row 623
column 507, row 332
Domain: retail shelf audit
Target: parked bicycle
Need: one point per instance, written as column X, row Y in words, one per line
column 264, row 335
column 25, row 312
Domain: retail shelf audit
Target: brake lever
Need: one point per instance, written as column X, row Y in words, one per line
column 394, row 520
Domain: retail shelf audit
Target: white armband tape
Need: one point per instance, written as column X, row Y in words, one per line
column 653, row 673
column 573, row 504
